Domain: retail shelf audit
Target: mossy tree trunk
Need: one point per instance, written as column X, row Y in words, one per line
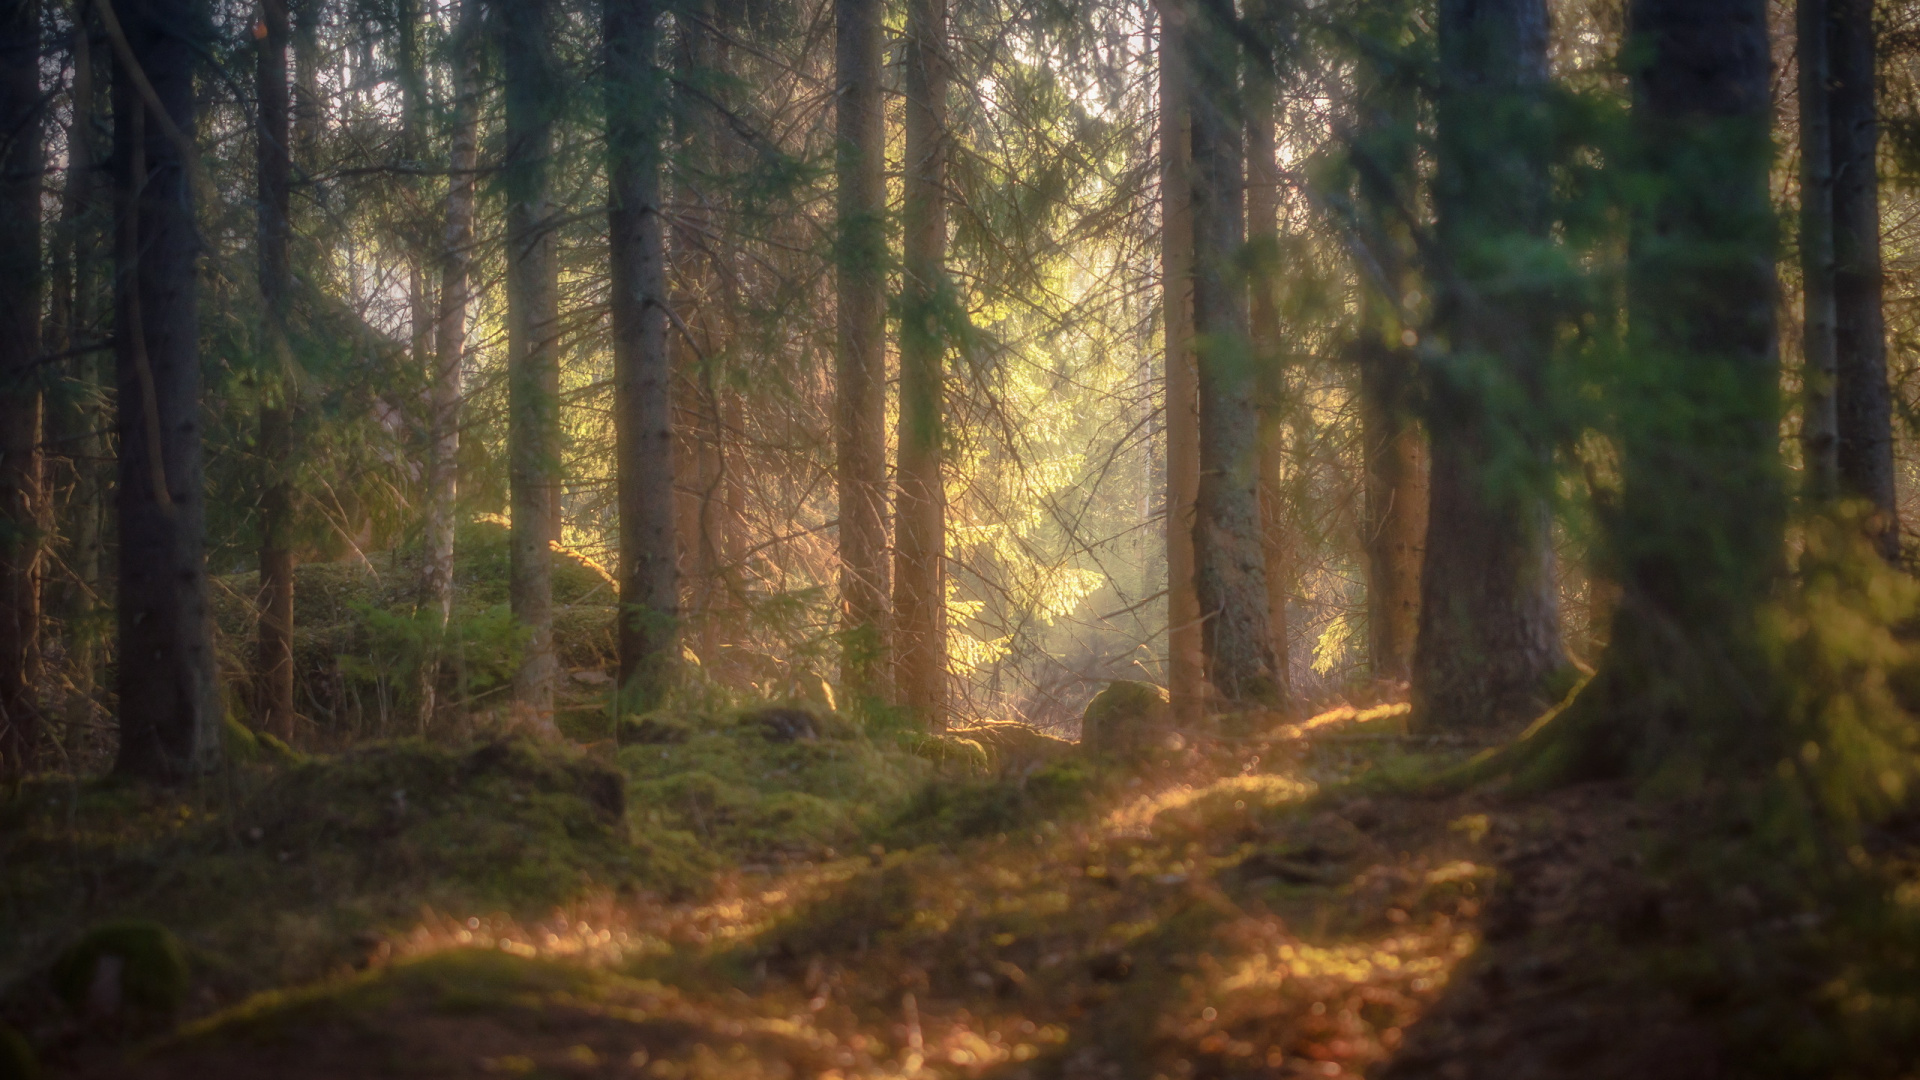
column 1489, row 639
column 643, row 367
column 21, row 526
column 169, row 708
column 1263, row 238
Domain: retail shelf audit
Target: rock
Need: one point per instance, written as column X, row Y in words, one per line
column 1127, row 719
column 119, row 964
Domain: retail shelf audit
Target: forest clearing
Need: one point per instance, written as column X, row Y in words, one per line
column 826, row 539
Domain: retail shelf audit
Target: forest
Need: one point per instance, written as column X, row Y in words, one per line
column 1007, row 539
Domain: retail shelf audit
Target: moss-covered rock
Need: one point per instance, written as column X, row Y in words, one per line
column 132, row 963
column 1126, row 719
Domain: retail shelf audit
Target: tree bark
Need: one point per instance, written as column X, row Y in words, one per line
column 533, row 354
column 1263, row 236
column 1186, row 666
column 860, row 427
column 444, row 393
column 643, row 367
column 919, row 583
column 1863, row 400
column 169, row 715
column 1819, row 423
column 74, row 418
column 1702, row 511
column 274, row 663
column 21, row 528
column 1489, row 639
column 1394, row 462
column 1393, row 448
column 1229, row 561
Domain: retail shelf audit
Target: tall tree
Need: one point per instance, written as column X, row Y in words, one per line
column 1186, row 667
column 1393, row 448
column 1263, row 236
column 274, row 168
column 532, row 88
column 1489, row 639
column 1863, row 401
column 1819, row 423
column 1228, row 557
column 21, row 119
column 444, row 394
column 919, row 581
column 1697, row 532
column 860, row 352
column 643, row 368
column 73, row 418
column 169, row 716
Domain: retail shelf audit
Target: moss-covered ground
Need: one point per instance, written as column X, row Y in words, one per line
column 744, row 893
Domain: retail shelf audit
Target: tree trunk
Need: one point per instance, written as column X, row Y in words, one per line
column 533, row 354
column 1229, row 561
column 643, row 367
column 1263, row 236
column 861, row 378
column 1393, row 448
column 74, row 418
column 169, row 708
column 1819, row 436
column 1701, row 517
column 1394, row 461
column 444, row 394
column 919, row 583
column 21, row 528
column 274, row 663
column 1186, row 679
column 1863, row 401
column 1489, row 640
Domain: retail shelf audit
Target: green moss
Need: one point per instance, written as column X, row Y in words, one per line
column 152, row 966
column 1126, row 719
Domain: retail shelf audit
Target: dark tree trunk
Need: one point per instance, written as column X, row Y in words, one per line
column 1263, row 236
column 1394, row 459
column 1698, row 533
column 1229, row 562
column 1819, row 423
column 533, row 354
column 1186, row 665
column 274, row 664
column 21, row 528
column 1863, row 401
column 920, row 530
column 1393, row 448
column 75, row 417
column 643, row 368
column 444, row 393
column 169, row 714
column 1489, row 639
column 861, row 377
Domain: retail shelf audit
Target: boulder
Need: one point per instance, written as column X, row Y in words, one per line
column 1127, row 719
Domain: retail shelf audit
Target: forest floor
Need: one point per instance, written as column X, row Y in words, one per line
column 1265, row 906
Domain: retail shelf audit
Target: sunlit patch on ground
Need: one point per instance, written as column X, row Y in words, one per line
column 1222, row 921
